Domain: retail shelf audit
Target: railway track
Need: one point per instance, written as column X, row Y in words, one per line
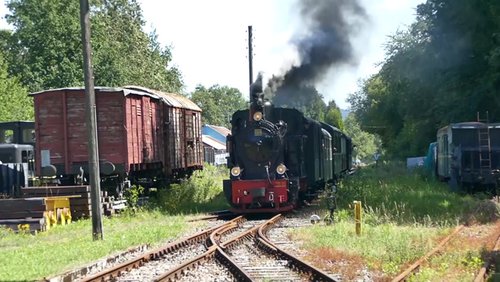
column 237, row 250
column 484, row 272
column 403, row 276
column 147, row 266
column 251, row 256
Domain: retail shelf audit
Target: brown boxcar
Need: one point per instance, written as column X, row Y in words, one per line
column 142, row 134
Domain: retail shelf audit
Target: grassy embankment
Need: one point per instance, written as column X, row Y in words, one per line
column 405, row 214
column 32, row 257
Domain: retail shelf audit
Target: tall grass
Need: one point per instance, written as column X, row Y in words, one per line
column 405, row 213
column 32, row 257
column 202, row 192
column 393, row 194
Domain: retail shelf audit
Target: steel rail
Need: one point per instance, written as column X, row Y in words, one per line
column 213, row 251
column 483, row 272
column 265, row 244
column 415, row 266
column 113, row 272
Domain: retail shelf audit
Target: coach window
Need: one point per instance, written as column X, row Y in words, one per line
column 24, row 156
column 28, row 135
column 6, row 135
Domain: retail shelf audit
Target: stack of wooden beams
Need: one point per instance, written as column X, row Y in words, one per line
column 23, row 214
column 80, row 206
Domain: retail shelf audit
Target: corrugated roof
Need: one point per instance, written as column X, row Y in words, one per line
column 212, row 142
column 472, row 124
column 170, row 99
column 221, row 129
column 97, row 88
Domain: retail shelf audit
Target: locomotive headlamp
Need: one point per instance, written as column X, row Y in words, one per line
column 257, row 116
column 281, row 169
column 235, row 171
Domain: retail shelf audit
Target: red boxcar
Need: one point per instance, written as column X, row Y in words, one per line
column 142, row 134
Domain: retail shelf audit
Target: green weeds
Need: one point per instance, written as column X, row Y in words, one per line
column 32, row 257
column 405, row 214
column 200, row 193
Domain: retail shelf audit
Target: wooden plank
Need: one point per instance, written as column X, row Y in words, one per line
column 80, row 201
column 35, row 224
column 56, row 189
column 22, row 204
column 20, row 214
column 81, row 196
column 80, row 214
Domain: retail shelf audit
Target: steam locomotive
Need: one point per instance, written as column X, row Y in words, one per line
column 278, row 158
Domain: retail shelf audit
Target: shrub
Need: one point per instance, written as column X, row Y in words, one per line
column 201, row 192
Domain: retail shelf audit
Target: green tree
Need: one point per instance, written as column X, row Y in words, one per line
column 333, row 116
column 14, row 101
column 443, row 69
column 304, row 98
column 366, row 144
column 218, row 103
column 45, row 50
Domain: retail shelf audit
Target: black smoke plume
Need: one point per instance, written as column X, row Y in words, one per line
column 329, row 26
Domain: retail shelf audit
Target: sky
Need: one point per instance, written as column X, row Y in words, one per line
column 209, row 40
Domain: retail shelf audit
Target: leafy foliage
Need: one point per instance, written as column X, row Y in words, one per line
column 333, row 116
column 132, row 195
column 309, row 101
column 201, row 192
column 45, row 49
column 366, row 144
column 443, row 69
column 14, row 101
column 218, row 103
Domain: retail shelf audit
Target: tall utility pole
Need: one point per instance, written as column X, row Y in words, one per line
column 250, row 54
column 91, row 122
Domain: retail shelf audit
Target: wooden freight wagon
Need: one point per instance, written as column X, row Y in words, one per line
column 142, row 134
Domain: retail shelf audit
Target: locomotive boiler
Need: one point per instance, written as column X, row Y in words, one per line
column 278, row 158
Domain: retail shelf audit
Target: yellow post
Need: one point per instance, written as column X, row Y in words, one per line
column 357, row 216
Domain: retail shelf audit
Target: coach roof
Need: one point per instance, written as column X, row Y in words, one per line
column 170, row 99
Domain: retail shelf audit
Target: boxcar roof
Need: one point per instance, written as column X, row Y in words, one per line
column 170, row 99
column 469, row 125
column 174, row 100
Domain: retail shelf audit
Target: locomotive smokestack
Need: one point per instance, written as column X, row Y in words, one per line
column 256, row 90
column 329, row 24
column 256, row 95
